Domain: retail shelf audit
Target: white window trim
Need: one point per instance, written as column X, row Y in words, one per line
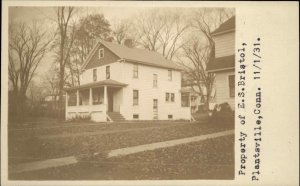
column 107, row 67
column 138, row 97
column 170, row 95
column 99, row 54
column 95, row 75
column 136, row 65
column 169, row 98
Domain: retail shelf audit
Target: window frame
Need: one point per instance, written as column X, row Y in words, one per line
column 107, row 72
column 135, row 71
column 172, row 95
column 167, row 97
column 94, row 74
column 155, row 81
column 99, row 54
column 135, row 97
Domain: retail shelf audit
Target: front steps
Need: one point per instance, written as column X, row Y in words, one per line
column 115, row 116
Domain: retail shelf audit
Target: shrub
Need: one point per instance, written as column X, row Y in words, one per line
column 222, row 113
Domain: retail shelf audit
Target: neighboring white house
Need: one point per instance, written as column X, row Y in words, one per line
column 119, row 83
column 224, row 64
column 197, row 101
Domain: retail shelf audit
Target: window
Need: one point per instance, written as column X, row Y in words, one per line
column 135, row 116
column 167, row 97
column 170, row 116
column 170, row 75
column 101, row 53
column 84, row 97
column 185, row 100
column 155, row 109
column 231, row 85
column 135, row 71
column 95, row 74
column 135, row 97
column 98, row 95
column 172, row 97
column 154, row 80
column 107, row 72
column 72, row 98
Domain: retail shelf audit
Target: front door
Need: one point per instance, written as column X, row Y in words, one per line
column 110, row 100
column 155, row 108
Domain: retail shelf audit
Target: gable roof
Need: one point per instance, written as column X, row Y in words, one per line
column 227, row 26
column 135, row 55
column 221, row 63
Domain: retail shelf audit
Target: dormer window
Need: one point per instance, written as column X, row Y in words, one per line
column 101, row 53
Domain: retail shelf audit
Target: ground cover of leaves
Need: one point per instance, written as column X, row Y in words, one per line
column 209, row 159
column 34, row 148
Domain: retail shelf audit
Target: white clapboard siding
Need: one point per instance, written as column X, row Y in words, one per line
column 115, row 73
column 225, row 44
column 144, row 83
column 123, row 99
column 222, row 87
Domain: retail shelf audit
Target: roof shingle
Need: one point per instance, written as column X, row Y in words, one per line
column 140, row 56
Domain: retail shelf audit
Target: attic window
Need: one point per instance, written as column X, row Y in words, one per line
column 101, row 53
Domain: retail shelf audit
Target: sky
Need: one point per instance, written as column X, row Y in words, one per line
column 46, row 17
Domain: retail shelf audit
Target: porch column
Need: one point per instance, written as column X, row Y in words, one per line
column 66, row 110
column 77, row 98
column 105, row 97
column 91, row 97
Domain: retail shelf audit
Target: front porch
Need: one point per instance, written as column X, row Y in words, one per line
column 94, row 100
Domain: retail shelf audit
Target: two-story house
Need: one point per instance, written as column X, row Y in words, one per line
column 120, row 82
column 224, row 64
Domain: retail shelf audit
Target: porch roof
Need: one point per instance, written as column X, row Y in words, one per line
column 107, row 82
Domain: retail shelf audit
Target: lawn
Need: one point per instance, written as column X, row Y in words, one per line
column 209, row 159
column 32, row 145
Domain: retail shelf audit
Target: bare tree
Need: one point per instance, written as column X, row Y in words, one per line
column 27, row 48
column 161, row 31
column 65, row 42
column 122, row 30
column 196, row 69
column 174, row 28
column 51, row 86
column 201, row 50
